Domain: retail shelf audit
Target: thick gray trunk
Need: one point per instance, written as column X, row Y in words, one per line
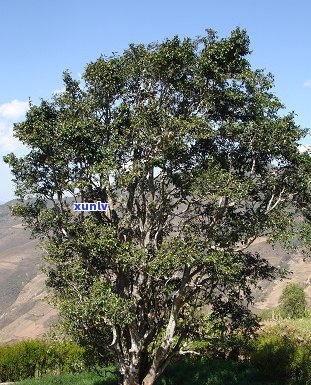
column 130, row 381
column 133, row 381
column 149, row 379
column 133, row 356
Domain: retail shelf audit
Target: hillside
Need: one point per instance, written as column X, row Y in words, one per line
column 269, row 296
column 25, row 314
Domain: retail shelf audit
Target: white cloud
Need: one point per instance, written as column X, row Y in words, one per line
column 8, row 142
column 3, row 126
column 305, row 148
column 13, row 109
column 307, row 84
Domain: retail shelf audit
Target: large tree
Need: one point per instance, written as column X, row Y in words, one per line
column 186, row 143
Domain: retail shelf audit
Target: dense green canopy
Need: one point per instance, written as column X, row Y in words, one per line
column 187, row 144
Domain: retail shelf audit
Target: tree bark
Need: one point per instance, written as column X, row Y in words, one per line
column 130, row 381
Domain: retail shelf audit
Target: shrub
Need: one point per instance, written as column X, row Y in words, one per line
column 22, row 360
column 293, row 301
column 209, row 371
column 32, row 358
column 281, row 353
column 301, row 365
column 273, row 355
column 65, row 356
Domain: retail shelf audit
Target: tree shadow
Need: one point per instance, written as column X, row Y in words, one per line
column 211, row 371
column 109, row 377
column 106, row 382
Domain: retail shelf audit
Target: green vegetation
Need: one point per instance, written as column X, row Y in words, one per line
column 302, row 325
column 293, row 302
column 269, row 314
column 197, row 372
column 210, row 371
column 32, row 358
column 185, row 372
column 292, row 309
column 280, row 355
column 88, row 378
column 283, row 354
column 188, row 145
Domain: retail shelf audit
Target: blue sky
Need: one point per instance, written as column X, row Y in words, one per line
column 42, row 38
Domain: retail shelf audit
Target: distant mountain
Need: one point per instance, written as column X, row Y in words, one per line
column 23, row 313
column 269, row 296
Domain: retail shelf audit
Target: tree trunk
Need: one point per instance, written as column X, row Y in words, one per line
column 137, row 376
column 130, row 381
column 135, row 379
column 149, row 379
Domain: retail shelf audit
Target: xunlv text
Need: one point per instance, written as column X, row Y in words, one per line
column 98, row 206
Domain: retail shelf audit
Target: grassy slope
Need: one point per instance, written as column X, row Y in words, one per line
column 208, row 372
column 72, row 379
column 303, row 325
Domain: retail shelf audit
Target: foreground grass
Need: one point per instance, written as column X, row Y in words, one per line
column 212, row 372
column 302, row 325
column 72, row 379
column 198, row 372
column 282, row 354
